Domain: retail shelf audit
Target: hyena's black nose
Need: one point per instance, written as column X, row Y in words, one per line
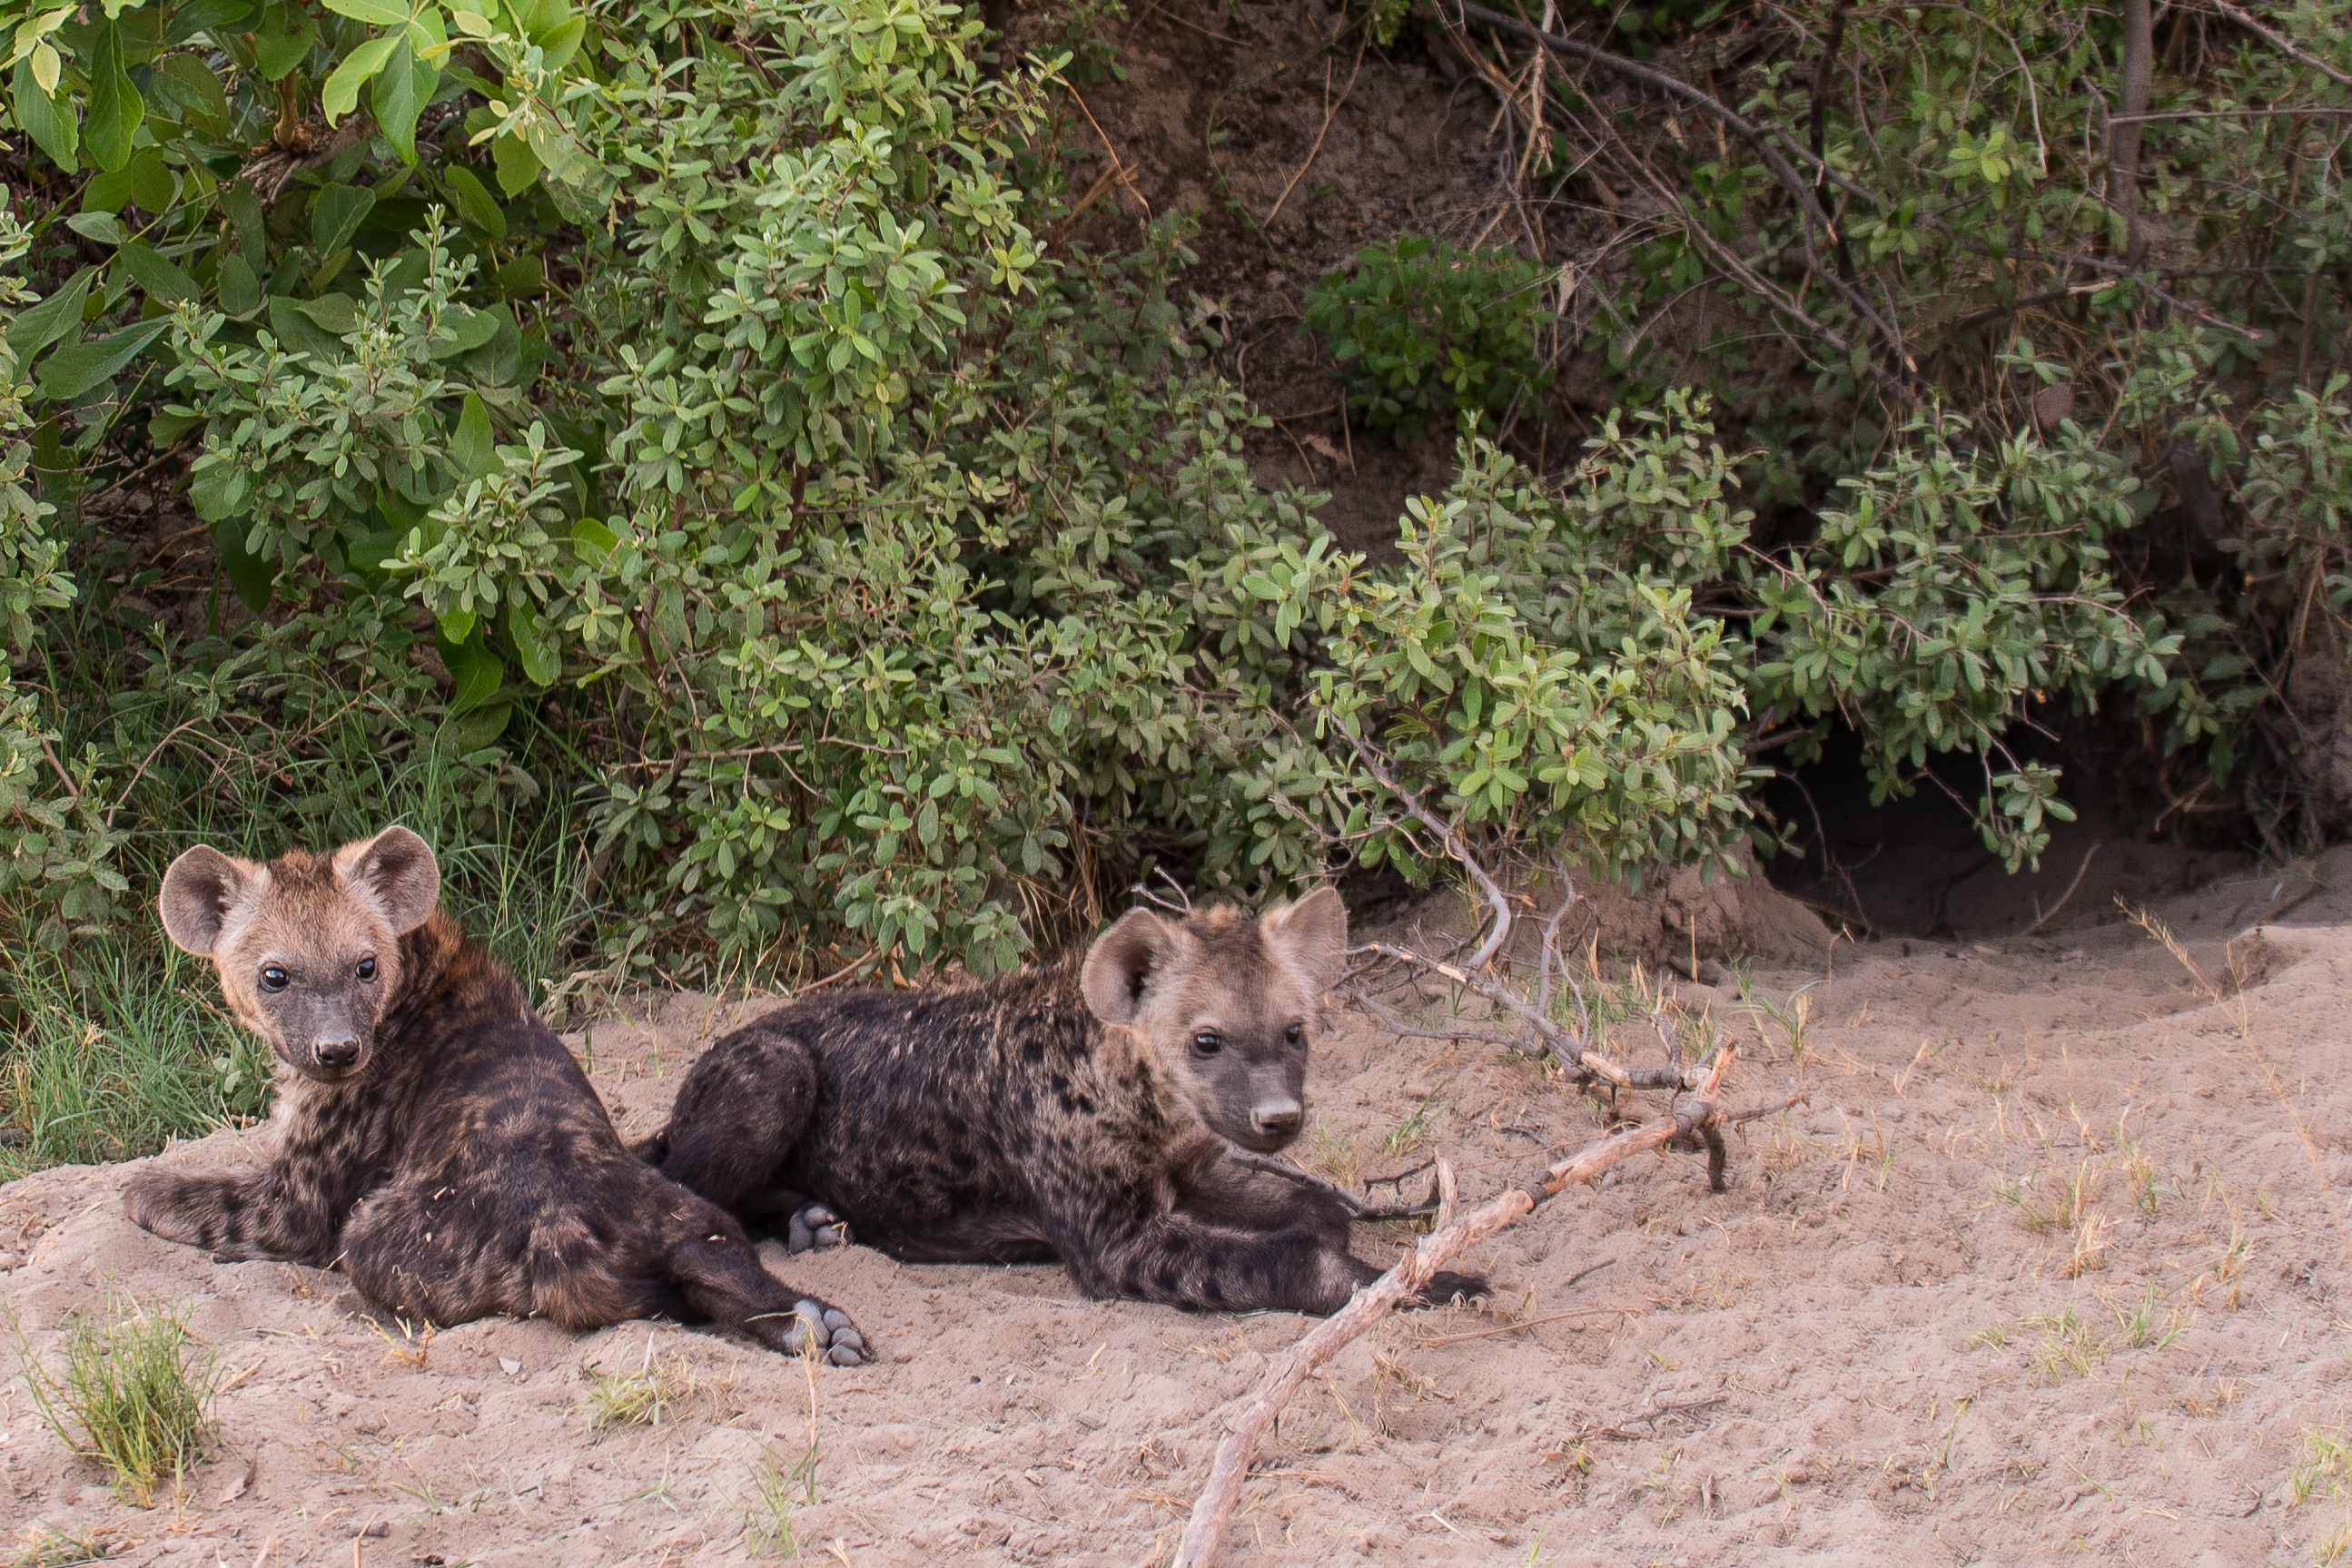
column 336, row 1052
column 1277, row 1118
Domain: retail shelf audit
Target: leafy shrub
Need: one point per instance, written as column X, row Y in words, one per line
column 656, row 451
column 1422, row 329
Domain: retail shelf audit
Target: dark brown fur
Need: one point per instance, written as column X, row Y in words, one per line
column 1080, row 1110
column 435, row 1138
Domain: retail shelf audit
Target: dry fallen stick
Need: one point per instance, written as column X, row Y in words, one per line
column 1357, row 1208
column 1625, row 1431
column 1448, row 1241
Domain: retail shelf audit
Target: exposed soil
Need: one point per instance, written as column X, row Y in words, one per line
column 2044, row 1267
column 1296, row 143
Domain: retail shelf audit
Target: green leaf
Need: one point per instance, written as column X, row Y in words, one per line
column 103, row 227
column 252, row 224
column 497, row 362
column 166, row 428
column 115, row 106
column 524, row 278
column 282, row 39
column 483, row 725
column 52, row 318
column 532, row 646
column 403, row 89
column 47, row 118
column 473, row 203
column 162, row 280
column 342, row 93
column 249, row 576
column 518, row 165
column 336, row 213
column 376, row 13
column 471, row 331
column 561, row 42
column 240, row 290
column 203, row 100
column 152, row 184
column 338, row 314
column 471, row 444
column 71, row 372
column 593, row 543
column 479, row 673
column 294, row 327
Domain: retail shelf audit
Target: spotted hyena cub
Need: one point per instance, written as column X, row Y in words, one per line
column 1081, row 1111
column 434, row 1137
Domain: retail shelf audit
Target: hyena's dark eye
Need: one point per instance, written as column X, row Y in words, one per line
column 1207, row 1042
column 367, row 968
column 273, row 979
column 1295, row 1033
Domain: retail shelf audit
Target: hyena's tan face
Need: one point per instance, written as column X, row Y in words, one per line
column 307, row 945
column 1227, row 1006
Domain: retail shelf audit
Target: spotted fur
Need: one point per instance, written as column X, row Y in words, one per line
column 1082, row 1110
column 433, row 1137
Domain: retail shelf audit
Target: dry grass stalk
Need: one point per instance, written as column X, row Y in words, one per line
column 2241, row 1025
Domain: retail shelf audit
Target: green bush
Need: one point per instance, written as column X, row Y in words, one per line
column 660, row 452
column 1421, row 329
column 870, row 580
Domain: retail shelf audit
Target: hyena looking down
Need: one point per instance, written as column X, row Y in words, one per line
column 1078, row 1111
column 433, row 1136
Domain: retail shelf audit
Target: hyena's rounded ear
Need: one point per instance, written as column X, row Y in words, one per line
column 395, row 871
column 1311, row 934
column 1121, row 961
column 199, row 891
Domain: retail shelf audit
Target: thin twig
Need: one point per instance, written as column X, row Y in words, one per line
column 2253, row 25
column 1455, row 845
column 2053, row 912
column 1329, row 115
column 1371, row 1213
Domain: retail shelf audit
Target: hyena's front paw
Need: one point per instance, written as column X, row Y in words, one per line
column 824, row 1329
column 1444, row 1286
column 813, row 1226
column 173, row 1206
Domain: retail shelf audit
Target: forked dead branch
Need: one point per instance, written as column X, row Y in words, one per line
column 1688, row 1124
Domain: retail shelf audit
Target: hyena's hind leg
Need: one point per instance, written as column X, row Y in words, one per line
column 235, row 1215
column 737, row 1117
column 713, row 1264
column 721, row 1275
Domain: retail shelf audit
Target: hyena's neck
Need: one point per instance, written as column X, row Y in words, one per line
column 426, row 955
column 1149, row 1099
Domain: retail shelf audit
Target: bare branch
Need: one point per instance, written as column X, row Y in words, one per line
column 2252, row 24
column 1455, row 845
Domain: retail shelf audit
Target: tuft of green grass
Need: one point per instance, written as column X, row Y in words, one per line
column 778, row 1494
column 1413, row 1131
column 2326, row 1462
column 135, row 1396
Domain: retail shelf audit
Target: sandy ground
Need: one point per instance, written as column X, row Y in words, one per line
column 2045, row 1269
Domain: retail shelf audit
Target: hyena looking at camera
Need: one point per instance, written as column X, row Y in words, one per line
column 1080, row 1110
column 433, row 1136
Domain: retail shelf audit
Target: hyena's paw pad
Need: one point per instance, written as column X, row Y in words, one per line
column 815, row 1225
column 836, row 1339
